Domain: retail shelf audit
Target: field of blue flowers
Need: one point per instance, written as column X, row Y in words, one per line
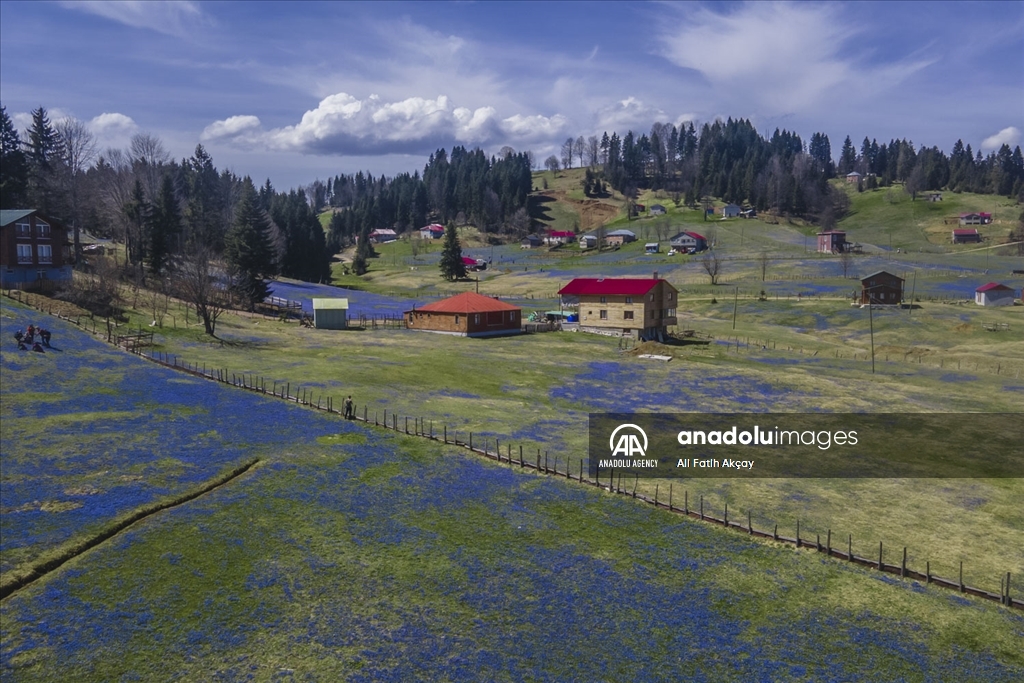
column 354, row 555
column 393, row 562
column 90, row 432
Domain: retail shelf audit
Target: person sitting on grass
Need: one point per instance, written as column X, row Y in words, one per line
column 19, row 335
column 38, row 348
column 45, row 336
column 21, row 346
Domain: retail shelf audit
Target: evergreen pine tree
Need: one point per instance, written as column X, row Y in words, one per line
column 248, row 249
column 452, row 267
column 42, row 147
column 363, row 251
column 13, row 166
column 164, row 225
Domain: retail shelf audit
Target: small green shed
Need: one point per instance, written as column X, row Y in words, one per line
column 330, row 314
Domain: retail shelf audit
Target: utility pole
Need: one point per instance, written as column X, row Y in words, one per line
column 735, row 304
column 871, row 321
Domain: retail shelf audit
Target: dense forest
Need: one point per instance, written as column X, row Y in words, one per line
column 164, row 210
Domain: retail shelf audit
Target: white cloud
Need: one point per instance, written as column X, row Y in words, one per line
column 1007, row 136
column 112, row 129
column 343, row 124
column 782, row 56
column 170, row 18
column 230, row 127
column 629, row 114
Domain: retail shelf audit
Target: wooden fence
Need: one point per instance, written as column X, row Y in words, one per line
column 516, row 455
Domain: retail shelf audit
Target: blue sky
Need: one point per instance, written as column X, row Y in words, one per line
column 295, row 91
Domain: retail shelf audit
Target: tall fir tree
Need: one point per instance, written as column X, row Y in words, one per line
column 43, row 149
column 248, row 249
column 164, row 226
column 848, row 157
column 451, row 265
column 13, row 166
column 360, row 264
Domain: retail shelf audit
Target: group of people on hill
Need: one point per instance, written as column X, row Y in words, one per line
column 27, row 339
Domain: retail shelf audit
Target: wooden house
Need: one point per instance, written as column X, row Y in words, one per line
column 383, row 235
column 966, row 235
column 588, row 241
column 881, row 288
column 467, row 315
column 652, row 248
column 657, row 210
column 731, row 210
column 994, row 294
column 531, row 242
column 853, row 177
column 832, row 242
column 33, row 250
column 642, row 308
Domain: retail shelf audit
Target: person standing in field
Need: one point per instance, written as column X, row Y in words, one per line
column 349, row 411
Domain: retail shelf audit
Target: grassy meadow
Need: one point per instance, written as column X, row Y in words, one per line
column 350, row 553
column 353, row 553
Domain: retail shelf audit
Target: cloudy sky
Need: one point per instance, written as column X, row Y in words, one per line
column 295, row 91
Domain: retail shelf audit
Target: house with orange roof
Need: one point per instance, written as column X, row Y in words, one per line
column 467, row 315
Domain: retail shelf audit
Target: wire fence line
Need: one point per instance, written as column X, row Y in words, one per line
column 540, row 461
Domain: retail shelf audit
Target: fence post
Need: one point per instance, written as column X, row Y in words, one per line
column 903, row 567
column 471, row 441
column 670, row 497
column 374, row 415
column 686, row 501
column 849, row 548
column 521, row 455
column 1009, row 601
column 775, row 534
column 726, row 519
column 702, row 507
column 928, row 572
column 828, row 544
column 880, row 556
column 798, row 533
column 961, row 576
column 750, row 526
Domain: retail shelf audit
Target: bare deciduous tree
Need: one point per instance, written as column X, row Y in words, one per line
column 764, row 259
column 567, row 153
column 77, row 148
column 845, row 262
column 578, row 148
column 198, row 287
column 712, row 266
column 551, row 163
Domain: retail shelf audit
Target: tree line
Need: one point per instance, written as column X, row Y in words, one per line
column 730, row 160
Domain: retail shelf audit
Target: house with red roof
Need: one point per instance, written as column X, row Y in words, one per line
column 980, row 218
column 474, row 263
column 467, row 315
column 383, row 235
column 642, row 308
column 966, row 235
column 560, row 237
column 994, row 294
column 689, row 242
column 434, row 231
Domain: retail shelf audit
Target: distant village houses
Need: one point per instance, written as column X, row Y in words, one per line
column 531, row 242
column 689, row 242
column 832, row 242
column 560, row 237
column 730, row 210
column 853, row 177
column 383, row 235
column 434, row 231
column 657, row 210
column 966, row 235
column 619, row 237
column 881, row 288
column 980, row 218
column 588, row 241
column 994, row 294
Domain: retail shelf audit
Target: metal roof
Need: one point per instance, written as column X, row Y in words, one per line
column 8, row 216
column 330, row 304
column 622, row 286
column 467, row 302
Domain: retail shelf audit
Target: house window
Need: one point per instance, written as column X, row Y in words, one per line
column 23, row 229
column 24, row 253
column 627, row 315
column 45, row 252
column 42, row 229
column 456, row 321
column 604, row 299
column 604, row 315
column 476, row 318
column 629, row 299
column 670, row 313
column 410, row 318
